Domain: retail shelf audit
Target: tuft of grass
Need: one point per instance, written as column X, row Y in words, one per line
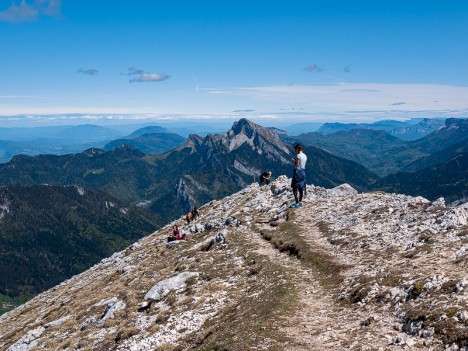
column 449, row 287
column 125, row 332
column 287, row 238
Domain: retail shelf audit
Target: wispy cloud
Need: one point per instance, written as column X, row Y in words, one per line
column 313, row 68
column 197, row 85
column 27, row 11
column 88, row 72
column 347, row 69
column 132, row 71
column 358, row 97
column 243, row 111
column 150, row 77
column 359, row 91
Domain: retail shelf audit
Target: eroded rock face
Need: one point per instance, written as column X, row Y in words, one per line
column 404, row 281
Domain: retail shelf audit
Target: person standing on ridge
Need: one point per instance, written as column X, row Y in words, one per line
column 298, row 182
column 189, row 217
column 195, row 213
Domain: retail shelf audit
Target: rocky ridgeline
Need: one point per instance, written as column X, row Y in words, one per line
column 402, row 263
column 407, row 256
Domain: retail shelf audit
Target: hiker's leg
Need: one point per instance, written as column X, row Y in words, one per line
column 295, row 195
column 301, row 194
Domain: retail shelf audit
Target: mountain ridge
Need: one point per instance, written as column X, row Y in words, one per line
column 257, row 274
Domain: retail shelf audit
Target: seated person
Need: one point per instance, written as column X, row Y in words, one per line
column 175, row 234
column 265, row 177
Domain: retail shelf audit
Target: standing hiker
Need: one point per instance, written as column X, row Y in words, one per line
column 194, row 213
column 188, row 217
column 298, row 183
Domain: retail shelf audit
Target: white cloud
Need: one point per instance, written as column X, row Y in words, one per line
column 150, row 77
column 27, row 11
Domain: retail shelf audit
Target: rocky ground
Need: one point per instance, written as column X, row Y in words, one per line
column 346, row 271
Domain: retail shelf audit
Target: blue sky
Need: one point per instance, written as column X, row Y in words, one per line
column 272, row 60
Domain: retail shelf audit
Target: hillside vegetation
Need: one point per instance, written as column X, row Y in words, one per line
column 50, row 233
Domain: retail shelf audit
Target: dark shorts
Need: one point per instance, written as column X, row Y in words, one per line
column 298, row 179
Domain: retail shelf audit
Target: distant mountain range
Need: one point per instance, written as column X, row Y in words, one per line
column 61, row 140
column 419, row 130
column 384, row 154
column 52, row 140
column 387, row 125
column 152, row 140
column 408, row 130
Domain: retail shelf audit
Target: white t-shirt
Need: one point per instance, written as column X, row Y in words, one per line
column 302, row 160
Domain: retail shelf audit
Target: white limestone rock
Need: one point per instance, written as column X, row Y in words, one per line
column 110, row 310
column 343, row 190
column 28, row 341
column 57, row 322
column 161, row 289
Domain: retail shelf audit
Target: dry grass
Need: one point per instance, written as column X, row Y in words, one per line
column 254, row 312
column 287, row 238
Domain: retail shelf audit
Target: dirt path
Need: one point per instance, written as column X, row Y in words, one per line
column 321, row 321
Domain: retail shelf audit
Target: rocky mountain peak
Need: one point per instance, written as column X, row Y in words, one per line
column 246, row 127
column 453, row 130
column 251, row 130
column 126, row 150
column 373, row 270
column 260, row 139
column 194, row 141
column 456, row 122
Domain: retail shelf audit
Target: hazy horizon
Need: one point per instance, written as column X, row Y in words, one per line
column 105, row 120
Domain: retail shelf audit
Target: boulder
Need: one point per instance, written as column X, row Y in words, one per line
column 343, row 190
